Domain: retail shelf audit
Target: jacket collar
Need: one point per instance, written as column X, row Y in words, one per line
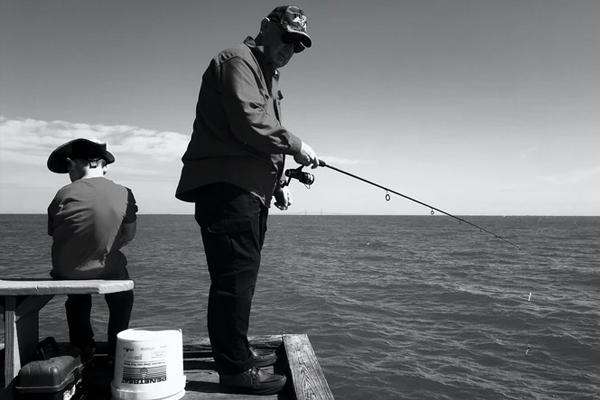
column 259, row 53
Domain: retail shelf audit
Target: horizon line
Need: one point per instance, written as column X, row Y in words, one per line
column 326, row 213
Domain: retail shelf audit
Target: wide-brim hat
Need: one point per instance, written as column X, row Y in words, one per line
column 293, row 22
column 79, row 148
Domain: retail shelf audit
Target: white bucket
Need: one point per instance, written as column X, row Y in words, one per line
column 148, row 365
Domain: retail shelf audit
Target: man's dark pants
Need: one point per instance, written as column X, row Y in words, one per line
column 233, row 223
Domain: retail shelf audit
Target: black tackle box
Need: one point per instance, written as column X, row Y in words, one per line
column 56, row 378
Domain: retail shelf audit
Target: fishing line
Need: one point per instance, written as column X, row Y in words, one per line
column 531, row 300
column 308, row 179
column 387, row 197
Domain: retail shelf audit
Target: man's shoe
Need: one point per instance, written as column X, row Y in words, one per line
column 253, row 381
column 261, row 360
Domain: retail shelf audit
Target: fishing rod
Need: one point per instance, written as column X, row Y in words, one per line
column 308, row 179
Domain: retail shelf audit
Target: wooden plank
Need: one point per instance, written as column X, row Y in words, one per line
column 43, row 287
column 307, row 375
column 260, row 341
column 12, row 359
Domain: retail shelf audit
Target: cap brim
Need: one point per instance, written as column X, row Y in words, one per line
column 298, row 37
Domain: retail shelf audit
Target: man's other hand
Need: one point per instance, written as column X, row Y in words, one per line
column 283, row 198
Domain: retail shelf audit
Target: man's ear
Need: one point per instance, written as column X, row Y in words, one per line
column 70, row 163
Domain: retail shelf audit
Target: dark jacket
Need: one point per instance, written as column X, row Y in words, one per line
column 238, row 137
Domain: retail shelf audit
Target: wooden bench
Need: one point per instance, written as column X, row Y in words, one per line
column 21, row 301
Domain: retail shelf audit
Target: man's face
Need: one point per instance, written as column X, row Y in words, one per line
column 276, row 51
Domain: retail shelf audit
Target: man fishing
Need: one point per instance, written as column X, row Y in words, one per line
column 90, row 220
column 231, row 170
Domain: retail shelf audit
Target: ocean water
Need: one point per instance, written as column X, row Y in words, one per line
column 396, row 307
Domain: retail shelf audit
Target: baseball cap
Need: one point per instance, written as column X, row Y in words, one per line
column 293, row 22
column 77, row 148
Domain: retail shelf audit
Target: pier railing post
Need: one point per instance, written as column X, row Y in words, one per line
column 307, row 375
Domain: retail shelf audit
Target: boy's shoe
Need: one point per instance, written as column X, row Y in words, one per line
column 87, row 353
column 253, row 381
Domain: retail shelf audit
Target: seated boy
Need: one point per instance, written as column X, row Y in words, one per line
column 89, row 220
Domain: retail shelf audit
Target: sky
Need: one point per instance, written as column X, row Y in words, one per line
column 477, row 107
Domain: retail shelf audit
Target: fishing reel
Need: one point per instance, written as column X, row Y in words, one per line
column 303, row 177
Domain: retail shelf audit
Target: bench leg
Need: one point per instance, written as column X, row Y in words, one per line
column 21, row 331
column 12, row 359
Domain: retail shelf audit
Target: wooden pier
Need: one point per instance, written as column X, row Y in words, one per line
column 21, row 300
column 296, row 360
